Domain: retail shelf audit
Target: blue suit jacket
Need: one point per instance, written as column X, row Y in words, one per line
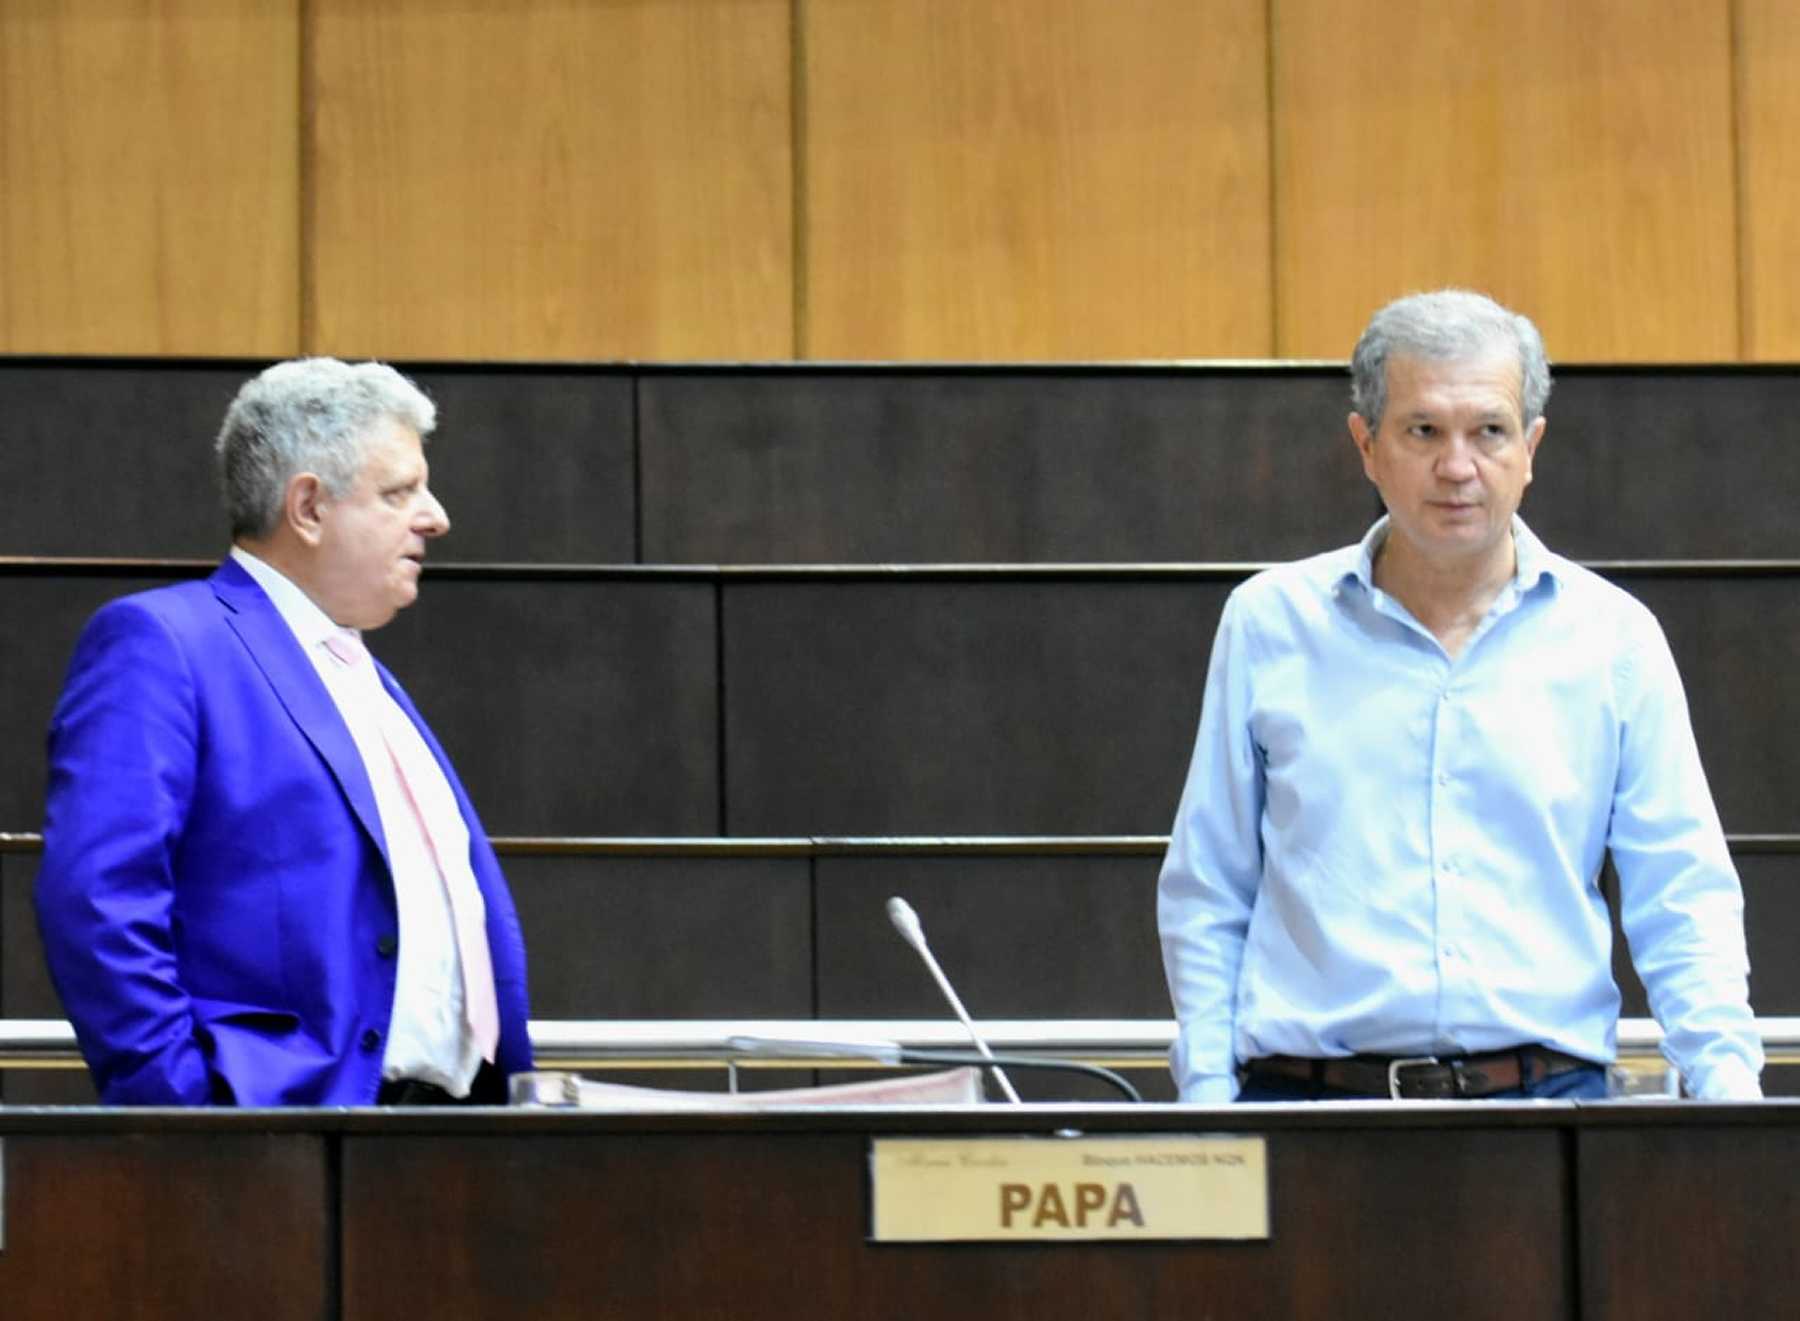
column 215, row 899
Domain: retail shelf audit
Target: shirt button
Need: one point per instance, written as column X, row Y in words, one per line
column 386, row 947
column 370, row 1040
column 1443, row 777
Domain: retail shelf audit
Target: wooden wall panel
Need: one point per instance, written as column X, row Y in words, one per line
column 1661, row 1240
column 545, row 180
column 1662, row 464
column 1031, row 936
column 1768, row 51
column 1734, row 639
column 535, row 467
column 194, row 1224
column 1031, row 179
column 829, row 467
column 149, row 177
column 1574, row 160
column 569, row 707
column 766, row 1218
column 668, row 937
column 115, row 458
column 975, row 707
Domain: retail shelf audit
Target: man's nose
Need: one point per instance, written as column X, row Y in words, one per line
column 1456, row 460
column 434, row 519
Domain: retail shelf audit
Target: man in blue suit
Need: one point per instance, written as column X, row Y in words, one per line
column 262, row 882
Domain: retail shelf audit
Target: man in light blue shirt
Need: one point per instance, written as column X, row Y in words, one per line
column 1415, row 754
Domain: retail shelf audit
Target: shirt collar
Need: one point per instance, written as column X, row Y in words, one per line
column 308, row 623
column 1533, row 560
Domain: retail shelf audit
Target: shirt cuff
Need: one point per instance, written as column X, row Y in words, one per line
column 1728, row 1080
column 1210, row 1089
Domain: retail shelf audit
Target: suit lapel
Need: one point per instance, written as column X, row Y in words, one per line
column 297, row 686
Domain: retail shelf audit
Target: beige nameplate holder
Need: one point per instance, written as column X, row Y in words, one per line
column 942, row 1190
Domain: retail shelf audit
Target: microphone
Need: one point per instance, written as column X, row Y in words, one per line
column 893, row 1053
column 906, row 922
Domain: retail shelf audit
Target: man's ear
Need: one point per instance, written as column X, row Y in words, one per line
column 1534, row 436
column 1364, row 440
column 303, row 506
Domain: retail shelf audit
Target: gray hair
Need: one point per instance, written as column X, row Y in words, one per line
column 308, row 415
column 1447, row 325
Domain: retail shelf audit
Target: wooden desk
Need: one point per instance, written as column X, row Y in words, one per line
column 1540, row 1211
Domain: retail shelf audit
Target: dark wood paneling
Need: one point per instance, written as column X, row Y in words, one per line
column 1694, row 463
column 1735, row 639
column 569, row 707
column 794, row 465
column 1771, row 919
column 113, row 459
column 116, row 459
column 535, row 467
column 858, row 467
column 1687, row 1222
column 1019, row 937
column 47, row 1086
column 962, row 707
column 168, row 1225
column 666, row 937
column 584, row 1227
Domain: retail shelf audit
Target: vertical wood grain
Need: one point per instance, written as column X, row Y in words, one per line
column 149, row 176
column 1768, row 53
column 547, row 180
column 1575, row 160
column 1035, row 179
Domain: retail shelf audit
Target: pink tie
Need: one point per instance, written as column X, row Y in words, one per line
column 471, row 934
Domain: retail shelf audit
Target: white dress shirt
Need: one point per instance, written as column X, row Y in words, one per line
column 428, row 1037
column 1384, row 850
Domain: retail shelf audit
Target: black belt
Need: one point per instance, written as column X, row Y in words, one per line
column 1421, row 1077
column 411, row 1091
column 487, row 1087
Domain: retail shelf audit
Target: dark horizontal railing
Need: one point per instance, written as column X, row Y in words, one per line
column 832, row 846
column 98, row 566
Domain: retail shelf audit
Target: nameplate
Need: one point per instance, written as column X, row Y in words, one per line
column 944, row 1190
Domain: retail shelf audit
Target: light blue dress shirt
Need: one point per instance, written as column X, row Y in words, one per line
column 1381, row 850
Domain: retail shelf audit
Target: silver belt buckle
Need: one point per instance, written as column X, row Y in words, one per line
column 1394, row 1067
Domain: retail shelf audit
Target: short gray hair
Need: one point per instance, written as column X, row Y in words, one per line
column 1447, row 325
column 308, row 415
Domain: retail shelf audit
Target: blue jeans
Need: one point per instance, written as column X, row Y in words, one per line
column 1585, row 1084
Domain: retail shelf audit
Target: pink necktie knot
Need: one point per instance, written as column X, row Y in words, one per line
column 347, row 646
